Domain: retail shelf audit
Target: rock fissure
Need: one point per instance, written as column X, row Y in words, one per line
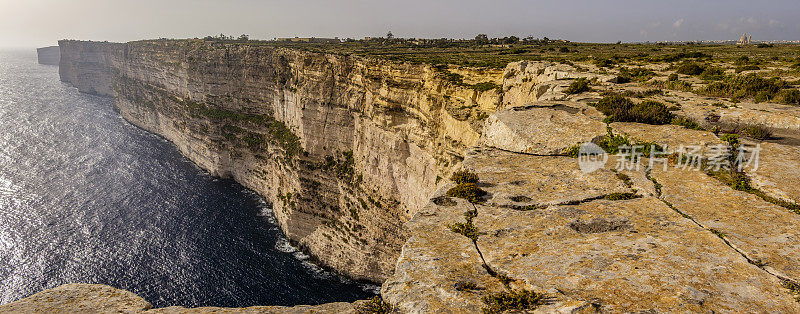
column 721, row 236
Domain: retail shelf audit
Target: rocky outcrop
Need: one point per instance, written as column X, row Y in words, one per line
column 49, row 55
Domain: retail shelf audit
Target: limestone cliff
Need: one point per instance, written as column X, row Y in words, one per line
column 346, row 149
column 356, row 154
column 49, row 55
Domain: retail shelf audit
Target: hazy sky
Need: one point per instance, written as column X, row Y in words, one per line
column 31, row 23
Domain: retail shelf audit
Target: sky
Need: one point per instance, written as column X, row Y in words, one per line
column 36, row 23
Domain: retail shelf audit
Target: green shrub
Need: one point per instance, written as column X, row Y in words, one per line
column 620, row 196
column 689, row 68
column 580, row 85
column 744, row 86
column 758, row 132
column 712, row 74
column 603, row 63
column 611, row 143
column 375, row 305
column 466, row 229
column 686, row 122
column 788, row 97
column 621, row 109
column 519, row 300
column 468, row 191
column 638, row 74
column 732, row 139
column 747, row 68
column 460, row 177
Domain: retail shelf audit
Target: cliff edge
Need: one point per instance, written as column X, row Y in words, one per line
column 357, row 155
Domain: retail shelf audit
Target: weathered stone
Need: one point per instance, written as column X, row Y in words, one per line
column 764, row 232
column 518, row 180
column 671, row 137
column 625, row 256
column 79, row 298
column 435, row 261
column 778, row 173
column 543, row 128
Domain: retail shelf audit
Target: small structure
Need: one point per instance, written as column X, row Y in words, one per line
column 745, row 39
column 310, row 40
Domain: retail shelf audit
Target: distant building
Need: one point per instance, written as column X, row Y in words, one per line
column 310, row 40
column 745, row 39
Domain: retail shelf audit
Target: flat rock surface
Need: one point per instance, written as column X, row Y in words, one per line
column 543, row 128
column 778, row 172
column 672, row 137
column 516, row 180
column 762, row 231
column 626, row 256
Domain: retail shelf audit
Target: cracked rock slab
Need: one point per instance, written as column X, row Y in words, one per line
column 518, row 180
column 435, row 261
column 670, row 136
column 761, row 230
column 778, row 172
column 626, row 256
column 543, row 128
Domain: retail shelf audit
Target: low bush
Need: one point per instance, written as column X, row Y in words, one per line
column 672, row 77
column 611, row 143
column 375, row 305
column 745, row 86
column 621, row 109
column 620, row 196
column 460, row 177
column 788, row 97
column 732, row 139
column 758, row 132
column 712, row 74
column 603, row 63
column 637, row 74
column 580, row 85
column 747, row 68
column 689, row 68
column 686, row 122
column 468, row 191
column 514, row 300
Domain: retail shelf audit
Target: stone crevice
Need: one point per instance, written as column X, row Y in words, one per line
column 718, row 234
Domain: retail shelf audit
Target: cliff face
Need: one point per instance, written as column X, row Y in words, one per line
column 49, row 55
column 355, row 155
column 346, row 149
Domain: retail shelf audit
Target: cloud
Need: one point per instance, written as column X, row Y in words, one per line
column 774, row 23
column 678, row 24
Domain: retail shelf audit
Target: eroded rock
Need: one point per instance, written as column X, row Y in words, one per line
column 542, row 128
column 518, row 180
column 778, row 172
column 766, row 233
